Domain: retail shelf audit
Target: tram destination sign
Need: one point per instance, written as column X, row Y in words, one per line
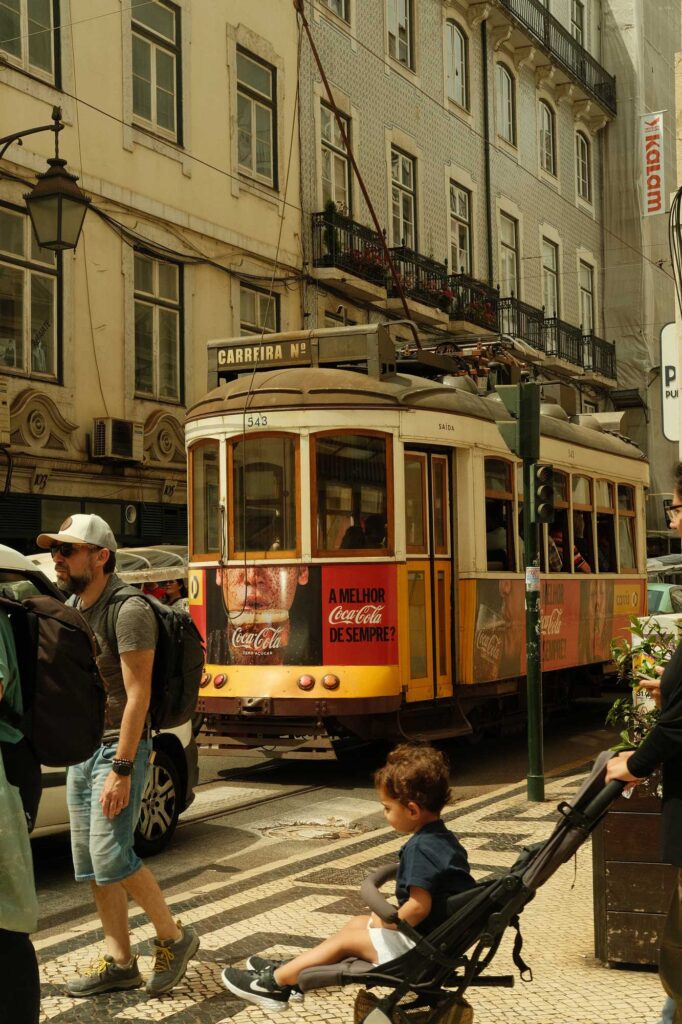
column 261, row 353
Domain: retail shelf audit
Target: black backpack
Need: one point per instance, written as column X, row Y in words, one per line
column 62, row 690
column 178, row 660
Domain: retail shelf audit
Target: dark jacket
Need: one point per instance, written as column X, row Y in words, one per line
column 663, row 746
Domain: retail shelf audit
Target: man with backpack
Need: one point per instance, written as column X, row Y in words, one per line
column 104, row 793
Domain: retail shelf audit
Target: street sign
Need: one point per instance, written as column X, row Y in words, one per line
column 670, row 382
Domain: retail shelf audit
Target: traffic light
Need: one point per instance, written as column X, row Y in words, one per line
column 522, row 433
column 543, row 495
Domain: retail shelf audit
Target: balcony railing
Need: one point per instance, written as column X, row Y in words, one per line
column 474, row 302
column 422, row 278
column 522, row 321
column 340, row 242
column 564, row 49
column 563, row 341
column 599, row 356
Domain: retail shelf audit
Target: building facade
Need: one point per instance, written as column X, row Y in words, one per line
column 178, row 120
column 490, row 136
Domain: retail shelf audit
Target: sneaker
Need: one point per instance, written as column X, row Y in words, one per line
column 104, row 975
column 170, row 960
column 258, row 964
column 668, row 1011
column 261, row 989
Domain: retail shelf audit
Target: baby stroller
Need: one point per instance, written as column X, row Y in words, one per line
column 439, row 969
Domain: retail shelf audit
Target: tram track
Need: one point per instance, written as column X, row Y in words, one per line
column 247, row 805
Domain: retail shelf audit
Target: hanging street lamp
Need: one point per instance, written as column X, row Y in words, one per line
column 56, row 205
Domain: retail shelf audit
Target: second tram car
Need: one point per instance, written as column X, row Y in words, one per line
column 356, row 559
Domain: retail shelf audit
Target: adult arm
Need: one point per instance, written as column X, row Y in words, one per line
column 136, row 667
column 664, row 742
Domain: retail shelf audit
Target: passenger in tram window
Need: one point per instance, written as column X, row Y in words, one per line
column 496, row 536
column 556, row 534
column 556, row 562
column 354, row 537
column 375, row 531
column 582, row 541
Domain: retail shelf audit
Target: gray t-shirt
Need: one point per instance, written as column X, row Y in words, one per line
column 136, row 630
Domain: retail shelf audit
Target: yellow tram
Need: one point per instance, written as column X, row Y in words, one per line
column 355, row 548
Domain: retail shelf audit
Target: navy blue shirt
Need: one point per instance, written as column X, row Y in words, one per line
column 433, row 859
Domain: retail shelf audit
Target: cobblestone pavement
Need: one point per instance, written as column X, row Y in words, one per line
column 291, row 903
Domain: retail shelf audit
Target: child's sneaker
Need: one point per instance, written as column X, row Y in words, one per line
column 261, row 963
column 261, row 989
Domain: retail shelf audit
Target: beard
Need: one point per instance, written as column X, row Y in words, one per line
column 74, row 584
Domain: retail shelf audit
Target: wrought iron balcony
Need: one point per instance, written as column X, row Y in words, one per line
column 474, row 302
column 563, row 341
column 341, row 242
column 599, row 356
column 521, row 320
column 422, row 278
column 564, row 49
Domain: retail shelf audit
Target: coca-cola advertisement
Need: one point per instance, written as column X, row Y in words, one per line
column 264, row 615
column 359, row 615
column 498, row 641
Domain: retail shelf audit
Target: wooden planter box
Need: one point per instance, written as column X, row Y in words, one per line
column 632, row 888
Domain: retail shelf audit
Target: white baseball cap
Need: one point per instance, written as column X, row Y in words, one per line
column 81, row 529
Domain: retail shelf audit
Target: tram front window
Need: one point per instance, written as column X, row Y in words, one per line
column 352, row 492
column 263, row 507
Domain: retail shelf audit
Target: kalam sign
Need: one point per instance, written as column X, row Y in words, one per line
column 652, row 157
column 670, row 382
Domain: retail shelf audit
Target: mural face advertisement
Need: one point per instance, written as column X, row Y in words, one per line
column 301, row 615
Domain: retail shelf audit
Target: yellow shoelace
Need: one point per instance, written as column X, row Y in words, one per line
column 162, row 959
column 98, row 966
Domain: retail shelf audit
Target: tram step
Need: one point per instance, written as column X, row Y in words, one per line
column 282, row 747
column 434, row 723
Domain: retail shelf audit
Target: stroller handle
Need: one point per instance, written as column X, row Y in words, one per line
column 603, row 800
column 377, row 903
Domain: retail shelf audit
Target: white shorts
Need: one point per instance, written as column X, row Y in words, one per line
column 388, row 944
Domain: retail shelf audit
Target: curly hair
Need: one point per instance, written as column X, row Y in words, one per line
column 416, row 773
column 678, row 479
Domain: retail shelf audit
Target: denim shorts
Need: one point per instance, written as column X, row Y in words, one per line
column 102, row 848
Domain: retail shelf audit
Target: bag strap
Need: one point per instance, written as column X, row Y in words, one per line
column 524, row 970
column 117, row 599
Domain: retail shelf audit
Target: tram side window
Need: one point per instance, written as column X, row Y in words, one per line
column 205, row 510
column 499, row 516
column 606, row 526
column 352, row 491
column 627, row 545
column 583, row 537
column 557, row 532
column 263, row 495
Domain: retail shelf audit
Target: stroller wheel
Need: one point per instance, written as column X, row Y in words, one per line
column 366, row 1001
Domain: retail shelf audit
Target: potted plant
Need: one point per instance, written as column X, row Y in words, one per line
column 631, row 886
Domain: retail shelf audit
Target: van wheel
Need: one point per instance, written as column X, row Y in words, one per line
column 160, row 807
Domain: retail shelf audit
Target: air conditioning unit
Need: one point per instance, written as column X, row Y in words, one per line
column 121, row 440
column 4, row 413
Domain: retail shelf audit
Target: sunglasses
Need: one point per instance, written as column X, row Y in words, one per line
column 671, row 512
column 67, row 548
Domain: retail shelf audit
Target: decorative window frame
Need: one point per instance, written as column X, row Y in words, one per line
column 464, row 110
column 463, row 178
column 133, row 134
column 508, row 146
column 392, row 63
column 509, row 208
column 586, row 204
column 276, row 299
column 343, row 102
column 549, row 233
column 395, row 138
column 552, row 179
column 587, row 257
column 54, row 79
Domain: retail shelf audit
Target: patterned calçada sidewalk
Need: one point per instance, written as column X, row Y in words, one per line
column 292, row 903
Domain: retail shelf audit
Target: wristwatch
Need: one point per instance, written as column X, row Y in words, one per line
column 121, row 766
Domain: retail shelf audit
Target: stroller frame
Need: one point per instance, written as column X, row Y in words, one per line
column 439, row 968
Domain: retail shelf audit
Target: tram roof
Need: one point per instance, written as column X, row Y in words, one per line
column 305, row 387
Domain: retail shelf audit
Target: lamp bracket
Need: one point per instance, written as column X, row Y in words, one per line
column 56, row 127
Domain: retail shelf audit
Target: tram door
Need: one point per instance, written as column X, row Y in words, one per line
column 429, row 574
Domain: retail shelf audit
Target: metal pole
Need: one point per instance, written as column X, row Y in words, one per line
column 531, row 544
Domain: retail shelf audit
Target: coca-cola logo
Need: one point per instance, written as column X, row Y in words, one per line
column 259, row 641
column 367, row 615
column 551, row 624
column 489, row 644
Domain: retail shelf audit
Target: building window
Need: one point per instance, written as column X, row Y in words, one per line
column 506, row 105
column 256, row 118
column 258, row 311
column 400, row 31
column 550, row 277
column 583, row 160
column 404, row 199
column 336, row 172
column 27, row 35
column 460, row 229
column 339, row 7
column 509, row 255
column 578, row 21
column 456, row 45
column 29, row 284
column 156, row 67
column 547, row 139
column 586, row 284
column 158, row 326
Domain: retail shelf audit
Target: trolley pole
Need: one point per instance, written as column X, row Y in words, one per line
column 523, row 437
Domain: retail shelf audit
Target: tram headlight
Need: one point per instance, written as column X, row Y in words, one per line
column 305, row 682
column 331, row 682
